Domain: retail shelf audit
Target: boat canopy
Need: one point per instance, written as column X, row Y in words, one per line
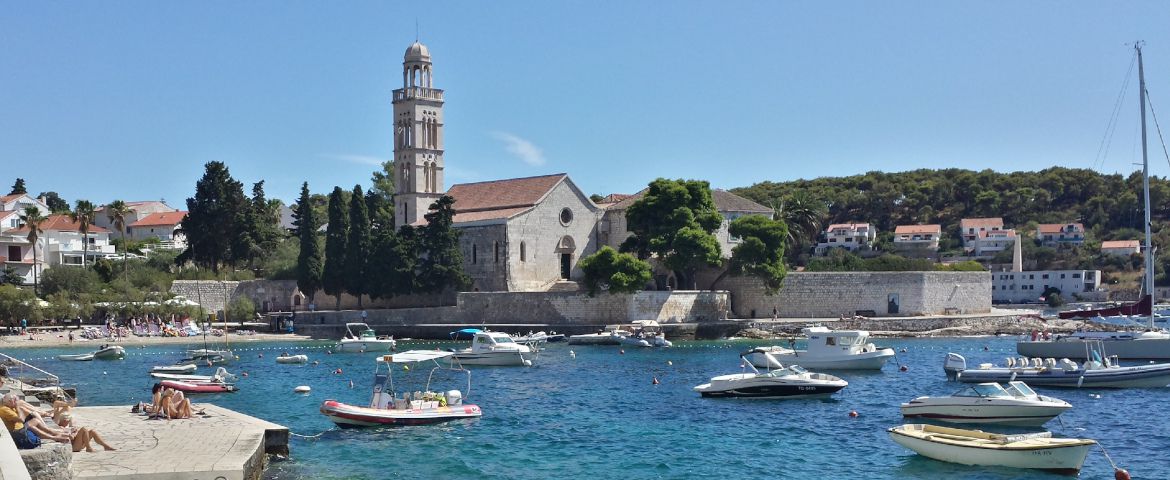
column 413, row 356
column 465, row 331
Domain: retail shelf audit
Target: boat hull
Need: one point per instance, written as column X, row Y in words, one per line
column 351, row 416
column 350, row 346
column 595, row 339
column 85, row 357
column 1156, row 348
column 175, row 369
column 199, row 387
column 1060, row 459
column 497, row 359
column 1146, row 376
column 980, row 411
column 293, row 359
column 751, row 386
column 861, row 361
column 110, row 353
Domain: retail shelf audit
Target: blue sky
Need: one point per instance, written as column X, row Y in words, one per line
column 106, row 100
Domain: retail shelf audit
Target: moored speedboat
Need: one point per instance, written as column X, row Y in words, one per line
column 612, row 335
column 974, row 447
column 1016, row 405
column 359, row 337
column 829, row 350
column 1096, row 373
column 786, row 382
column 493, row 348
column 388, row 408
column 110, row 352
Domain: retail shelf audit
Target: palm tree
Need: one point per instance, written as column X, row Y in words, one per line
column 116, row 211
column 803, row 214
column 83, row 214
column 33, row 218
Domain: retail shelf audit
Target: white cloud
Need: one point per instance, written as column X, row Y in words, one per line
column 523, row 149
column 362, row 159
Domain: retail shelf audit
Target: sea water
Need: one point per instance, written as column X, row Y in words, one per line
column 595, row 412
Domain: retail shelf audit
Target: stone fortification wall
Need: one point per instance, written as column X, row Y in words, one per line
column 212, row 294
column 578, row 308
column 832, row 294
column 283, row 296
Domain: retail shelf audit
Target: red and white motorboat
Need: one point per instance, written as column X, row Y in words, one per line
column 199, row 387
column 390, row 409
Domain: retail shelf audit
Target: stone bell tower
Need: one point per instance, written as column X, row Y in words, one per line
column 418, row 138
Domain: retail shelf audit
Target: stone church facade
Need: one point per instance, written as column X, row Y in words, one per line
column 520, row 234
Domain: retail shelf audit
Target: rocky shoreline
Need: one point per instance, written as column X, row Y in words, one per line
column 1016, row 325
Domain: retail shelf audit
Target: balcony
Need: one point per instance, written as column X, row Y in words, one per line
column 418, row 93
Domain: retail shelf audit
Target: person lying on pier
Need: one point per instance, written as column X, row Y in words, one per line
column 15, row 417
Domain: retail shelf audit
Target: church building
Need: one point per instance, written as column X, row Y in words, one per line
column 520, row 234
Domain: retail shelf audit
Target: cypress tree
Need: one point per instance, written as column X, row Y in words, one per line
column 309, row 263
column 357, row 249
column 333, row 277
column 442, row 265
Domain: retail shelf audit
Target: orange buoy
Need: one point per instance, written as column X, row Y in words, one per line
column 655, row 382
column 853, row 414
column 903, row 368
column 1120, row 474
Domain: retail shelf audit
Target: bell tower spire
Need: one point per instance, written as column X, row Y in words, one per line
column 418, row 138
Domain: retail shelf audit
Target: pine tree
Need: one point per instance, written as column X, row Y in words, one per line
column 258, row 225
column 18, row 187
column 357, row 249
column 333, row 277
column 442, row 265
column 309, row 264
column 213, row 216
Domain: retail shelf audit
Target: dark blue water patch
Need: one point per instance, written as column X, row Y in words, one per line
column 598, row 415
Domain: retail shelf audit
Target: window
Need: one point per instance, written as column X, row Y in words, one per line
column 496, row 247
column 1076, row 275
column 566, row 216
column 1044, row 277
column 14, row 253
column 473, row 254
column 523, row 256
column 1062, row 275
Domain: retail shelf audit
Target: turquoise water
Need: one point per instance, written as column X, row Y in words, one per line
column 599, row 415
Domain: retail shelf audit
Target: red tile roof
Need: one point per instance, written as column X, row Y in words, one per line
column 163, row 218
column 61, row 223
column 1120, row 244
column 911, row 229
column 500, row 198
column 615, row 197
column 9, row 198
column 1059, row 227
column 981, row 222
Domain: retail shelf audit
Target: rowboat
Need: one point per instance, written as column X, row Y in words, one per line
column 975, row 447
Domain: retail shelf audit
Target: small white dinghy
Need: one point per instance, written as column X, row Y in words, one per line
column 84, row 357
column 292, row 359
column 185, row 368
column 976, row 447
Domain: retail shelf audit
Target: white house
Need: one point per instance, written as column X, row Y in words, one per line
column 1122, row 248
column 1061, row 234
column 990, row 242
column 971, row 228
column 853, row 237
column 18, row 202
column 1028, row 287
column 137, row 211
column 161, row 226
column 917, row 240
column 15, row 251
column 61, row 242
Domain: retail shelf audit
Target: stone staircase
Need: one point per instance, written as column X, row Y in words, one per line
column 564, row 286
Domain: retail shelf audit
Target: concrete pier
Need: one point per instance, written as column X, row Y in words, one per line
column 220, row 444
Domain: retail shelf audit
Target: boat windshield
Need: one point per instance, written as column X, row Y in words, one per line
column 983, row 390
column 1020, row 389
column 368, row 333
column 797, row 369
column 502, row 339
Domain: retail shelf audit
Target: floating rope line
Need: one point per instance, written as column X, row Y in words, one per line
column 311, row 437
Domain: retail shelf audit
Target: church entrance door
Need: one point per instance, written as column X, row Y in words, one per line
column 566, row 261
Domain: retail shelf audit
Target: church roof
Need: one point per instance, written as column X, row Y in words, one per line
column 724, row 202
column 498, row 199
column 417, row 52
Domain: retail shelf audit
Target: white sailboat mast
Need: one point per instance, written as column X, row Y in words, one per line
column 1149, row 278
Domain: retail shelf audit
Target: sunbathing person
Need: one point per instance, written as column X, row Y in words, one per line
column 89, row 436
column 175, row 405
column 16, row 416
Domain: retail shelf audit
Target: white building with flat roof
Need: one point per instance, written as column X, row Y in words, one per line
column 854, row 237
column 1028, row 287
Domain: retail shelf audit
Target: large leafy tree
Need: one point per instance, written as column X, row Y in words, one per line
column 83, row 214
column 55, row 203
column 357, row 248
column 442, row 263
column 33, row 218
column 116, row 213
column 674, row 221
column 309, row 260
column 18, row 187
column 615, row 272
column 336, row 233
column 212, row 222
column 381, row 210
column 761, row 250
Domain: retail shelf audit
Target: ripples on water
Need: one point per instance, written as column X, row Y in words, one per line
column 599, row 416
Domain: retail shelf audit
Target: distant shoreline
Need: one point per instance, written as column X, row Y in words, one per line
column 60, row 338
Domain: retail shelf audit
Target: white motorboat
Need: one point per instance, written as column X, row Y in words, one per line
column 612, row 335
column 292, row 358
column 221, row 375
column 492, row 348
column 177, row 369
column 83, row 357
column 1095, row 373
column 359, row 337
column 828, row 350
column 974, row 447
column 110, row 352
column 645, row 333
column 1016, row 405
column 386, row 407
column 786, row 382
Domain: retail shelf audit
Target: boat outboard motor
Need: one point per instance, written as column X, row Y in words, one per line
column 454, row 397
column 954, row 364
